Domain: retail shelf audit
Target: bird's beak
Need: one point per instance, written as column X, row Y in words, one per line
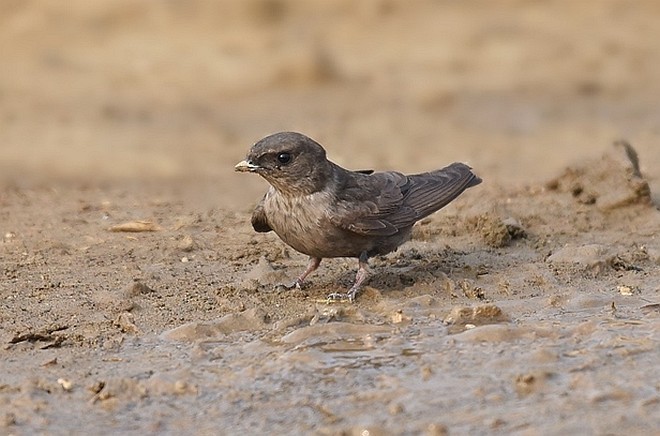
column 246, row 166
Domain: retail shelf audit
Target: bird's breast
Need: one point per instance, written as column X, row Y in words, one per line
column 302, row 222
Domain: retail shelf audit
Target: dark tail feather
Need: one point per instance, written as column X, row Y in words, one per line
column 429, row 192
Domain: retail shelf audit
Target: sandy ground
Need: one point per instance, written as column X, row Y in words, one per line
column 531, row 305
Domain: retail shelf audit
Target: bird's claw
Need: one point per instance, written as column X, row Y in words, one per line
column 338, row 297
column 295, row 285
column 342, row 297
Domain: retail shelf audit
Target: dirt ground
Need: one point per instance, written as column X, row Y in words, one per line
column 531, row 305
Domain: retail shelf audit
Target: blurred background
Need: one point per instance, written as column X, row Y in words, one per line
column 178, row 90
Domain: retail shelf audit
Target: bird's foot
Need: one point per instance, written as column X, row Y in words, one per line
column 342, row 297
column 361, row 276
column 297, row 284
column 339, row 297
column 313, row 264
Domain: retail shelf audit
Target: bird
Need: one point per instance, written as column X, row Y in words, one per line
column 323, row 210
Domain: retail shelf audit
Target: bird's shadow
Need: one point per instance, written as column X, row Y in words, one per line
column 406, row 268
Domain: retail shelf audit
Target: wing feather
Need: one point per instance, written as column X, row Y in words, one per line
column 259, row 218
column 382, row 204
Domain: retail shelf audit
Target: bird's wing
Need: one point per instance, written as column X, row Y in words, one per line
column 367, row 205
column 259, row 220
column 383, row 203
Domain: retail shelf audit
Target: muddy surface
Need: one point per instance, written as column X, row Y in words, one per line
column 136, row 299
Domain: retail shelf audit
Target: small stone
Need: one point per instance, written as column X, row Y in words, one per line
column 427, row 372
column 187, row 244
column 135, row 227
column 398, row 317
column 515, row 229
column 126, row 322
column 470, row 317
column 395, row 409
column 525, row 384
column 136, row 288
column 626, row 290
column 493, row 230
column 180, row 387
column 437, row 430
column 67, row 385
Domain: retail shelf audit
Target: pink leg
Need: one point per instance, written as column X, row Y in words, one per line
column 360, row 277
column 313, row 264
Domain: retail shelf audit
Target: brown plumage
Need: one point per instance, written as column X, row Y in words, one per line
column 323, row 210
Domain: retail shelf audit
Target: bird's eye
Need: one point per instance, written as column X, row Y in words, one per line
column 284, row 158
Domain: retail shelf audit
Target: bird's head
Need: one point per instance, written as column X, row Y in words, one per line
column 291, row 162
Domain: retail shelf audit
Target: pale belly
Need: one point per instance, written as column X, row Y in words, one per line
column 303, row 224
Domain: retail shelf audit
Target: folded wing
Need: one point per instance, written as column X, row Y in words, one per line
column 383, row 203
column 259, row 219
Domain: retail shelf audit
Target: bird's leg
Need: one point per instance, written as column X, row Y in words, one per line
column 313, row 264
column 360, row 277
